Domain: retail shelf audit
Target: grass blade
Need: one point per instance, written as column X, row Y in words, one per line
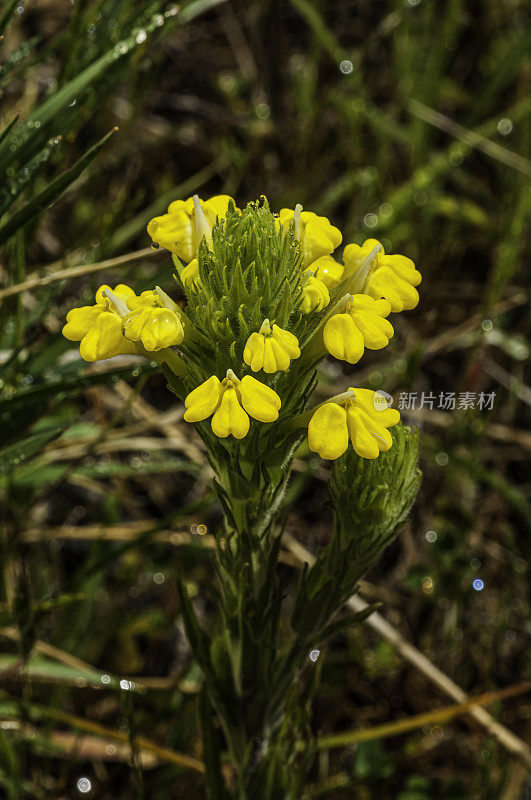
column 52, row 191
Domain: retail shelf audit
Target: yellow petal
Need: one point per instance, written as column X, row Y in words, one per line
column 175, row 232
column 287, row 341
column 375, row 406
column 163, row 328
column 230, row 416
column 259, row 400
column 342, row 338
column 122, row 291
column 253, row 353
column 375, row 330
column 375, row 428
column 105, row 339
column 315, row 243
column 270, row 362
column 354, row 255
column 190, row 273
column 101, row 297
column 363, row 302
column 363, row 441
column 328, row 432
column 316, row 221
column 403, row 267
column 134, row 322
column 203, row 400
column 318, row 236
column 80, row 320
column 217, row 207
column 315, row 296
column 184, row 206
column 275, row 357
column 327, row 270
column 385, row 283
column 148, row 298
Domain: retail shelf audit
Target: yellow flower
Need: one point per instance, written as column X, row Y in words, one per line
column 317, row 235
column 360, row 324
column 359, row 415
column 190, row 273
column 379, row 275
column 315, row 295
column 155, row 321
column 99, row 328
column 154, row 327
column 327, row 270
column 187, row 222
column 231, row 402
column 271, row 349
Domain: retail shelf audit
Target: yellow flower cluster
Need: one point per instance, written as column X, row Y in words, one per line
column 120, row 322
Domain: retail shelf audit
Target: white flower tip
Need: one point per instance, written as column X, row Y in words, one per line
column 344, row 397
column 118, row 303
column 266, row 327
column 166, row 300
column 297, row 221
column 232, row 376
column 202, row 228
column 345, row 300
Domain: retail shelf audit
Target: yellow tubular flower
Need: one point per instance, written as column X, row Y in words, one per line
column 271, row 349
column 361, row 324
column 359, row 415
column 99, row 327
column 232, row 402
column 317, row 235
column 315, row 296
column 187, row 222
column 327, row 270
column 379, row 275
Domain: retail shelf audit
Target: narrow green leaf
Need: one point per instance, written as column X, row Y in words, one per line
column 51, row 192
column 211, row 752
column 347, row 622
column 14, row 186
column 8, row 127
column 45, row 669
column 193, row 10
column 18, row 56
column 6, row 16
column 10, row 457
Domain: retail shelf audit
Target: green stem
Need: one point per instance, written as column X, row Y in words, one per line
column 166, row 356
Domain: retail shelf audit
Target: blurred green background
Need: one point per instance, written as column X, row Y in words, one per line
column 407, row 121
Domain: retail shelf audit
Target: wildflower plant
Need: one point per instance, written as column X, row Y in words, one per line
column 260, row 300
